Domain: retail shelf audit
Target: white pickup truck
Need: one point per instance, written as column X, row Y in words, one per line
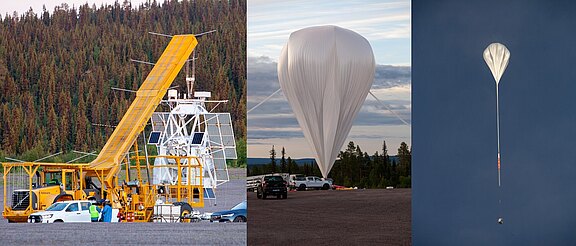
column 312, row 182
column 67, row 211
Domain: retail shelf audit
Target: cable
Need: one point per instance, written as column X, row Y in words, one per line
column 386, row 106
column 266, row 99
column 500, row 219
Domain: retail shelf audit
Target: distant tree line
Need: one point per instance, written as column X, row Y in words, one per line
column 57, row 69
column 354, row 168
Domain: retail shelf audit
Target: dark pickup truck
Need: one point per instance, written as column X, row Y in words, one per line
column 272, row 185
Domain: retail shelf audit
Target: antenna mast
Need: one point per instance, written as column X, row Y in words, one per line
column 190, row 79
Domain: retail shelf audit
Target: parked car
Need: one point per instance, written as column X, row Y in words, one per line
column 293, row 178
column 66, row 211
column 272, row 185
column 235, row 214
column 312, row 182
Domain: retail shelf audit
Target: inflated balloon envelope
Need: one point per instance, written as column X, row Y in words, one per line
column 325, row 73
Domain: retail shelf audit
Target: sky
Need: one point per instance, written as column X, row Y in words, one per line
column 21, row 6
column 455, row 195
column 385, row 24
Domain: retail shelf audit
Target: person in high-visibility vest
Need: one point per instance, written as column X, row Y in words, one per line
column 94, row 212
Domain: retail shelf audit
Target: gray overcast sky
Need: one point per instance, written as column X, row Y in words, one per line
column 22, row 6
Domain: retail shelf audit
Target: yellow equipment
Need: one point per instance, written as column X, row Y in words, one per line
column 34, row 186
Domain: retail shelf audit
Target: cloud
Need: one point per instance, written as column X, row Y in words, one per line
column 385, row 24
column 263, row 77
column 274, row 123
column 266, row 134
column 387, row 76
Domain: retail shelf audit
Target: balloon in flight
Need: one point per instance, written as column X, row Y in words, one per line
column 496, row 56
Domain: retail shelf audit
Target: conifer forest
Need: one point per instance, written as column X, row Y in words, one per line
column 57, row 68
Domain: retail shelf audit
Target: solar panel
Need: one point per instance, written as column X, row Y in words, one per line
column 222, row 175
column 221, row 134
column 209, row 193
column 159, row 121
column 222, row 143
column 230, row 153
column 154, row 138
column 219, row 164
column 197, row 138
column 217, row 153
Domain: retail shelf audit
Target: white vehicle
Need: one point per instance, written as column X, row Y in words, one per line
column 303, row 183
column 292, row 180
column 67, row 211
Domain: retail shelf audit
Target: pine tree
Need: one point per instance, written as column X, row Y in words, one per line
column 272, row 168
column 291, row 166
column 283, row 166
column 404, row 160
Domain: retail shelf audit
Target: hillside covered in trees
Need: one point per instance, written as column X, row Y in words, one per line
column 57, row 68
column 353, row 168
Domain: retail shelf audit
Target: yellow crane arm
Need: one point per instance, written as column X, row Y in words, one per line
column 147, row 99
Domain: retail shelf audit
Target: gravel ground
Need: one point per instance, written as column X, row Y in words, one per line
column 351, row 217
column 203, row 233
column 123, row 234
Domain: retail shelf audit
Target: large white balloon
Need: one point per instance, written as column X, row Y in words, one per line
column 496, row 56
column 325, row 73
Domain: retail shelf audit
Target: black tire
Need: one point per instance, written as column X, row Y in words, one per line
column 185, row 209
column 285, row 196
column 264, row 195
column 58, row 221
column 240, row 219
column 326, row 187
column 259, row 195
column 302, row 187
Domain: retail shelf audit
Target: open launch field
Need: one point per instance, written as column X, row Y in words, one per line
column 205, row 233
column 351, row 217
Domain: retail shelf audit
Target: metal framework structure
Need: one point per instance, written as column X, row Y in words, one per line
column 189, row 129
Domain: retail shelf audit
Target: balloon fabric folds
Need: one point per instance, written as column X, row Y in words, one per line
column 496, row 56
column 326, row 73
